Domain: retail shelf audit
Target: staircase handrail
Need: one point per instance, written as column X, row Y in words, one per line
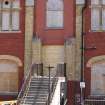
column 65, row 103
column 54, row 82
column 53, row 86
column 25, row 82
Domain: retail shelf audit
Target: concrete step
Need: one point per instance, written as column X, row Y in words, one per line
column 37, row 96
column 29, row 94
column 38, row 89
column 37, row 93
column 36, row 100
column 31, row 102
column 38, row 83
column 34, row 104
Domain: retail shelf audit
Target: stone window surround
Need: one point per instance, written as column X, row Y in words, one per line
column 10, row 10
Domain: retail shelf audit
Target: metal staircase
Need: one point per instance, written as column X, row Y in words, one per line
column 37, row 93
column 37, row 90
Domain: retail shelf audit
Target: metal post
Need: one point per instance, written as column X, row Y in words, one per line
column 49, row 90
column 82, row 100
column 41, row 69
column 37, row 69
column 64, row 69
column 82, row 53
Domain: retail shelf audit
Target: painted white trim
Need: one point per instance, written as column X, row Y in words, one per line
column 80, row 2
column 29, row 2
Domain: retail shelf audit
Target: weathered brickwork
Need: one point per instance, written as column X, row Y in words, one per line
column 52, row 55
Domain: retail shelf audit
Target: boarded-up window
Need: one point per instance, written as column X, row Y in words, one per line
column 97, row 15
column 8, row 77
column 98, row 79
column 54, row 13
column 9, row 15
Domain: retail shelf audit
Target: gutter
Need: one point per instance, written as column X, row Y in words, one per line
column 82, row 43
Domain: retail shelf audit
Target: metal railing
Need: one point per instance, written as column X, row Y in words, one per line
column 34, row 69
column 65, row 103
column 37, row 69
column 60, row 72
column 95, row 100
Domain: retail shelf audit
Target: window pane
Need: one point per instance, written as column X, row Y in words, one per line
column 15, row 20
column 0, row 5
column 16, row 4
column 55, row 5
column 103, row 1
column 54, row 19
column 5, row 20
column 103, row 19
column 95, row 19
column 95, row 1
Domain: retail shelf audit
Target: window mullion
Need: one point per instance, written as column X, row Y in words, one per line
column 11, row 16
column 1, row 12
column 100, row 18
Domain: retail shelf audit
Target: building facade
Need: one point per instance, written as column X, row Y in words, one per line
column 12, row 46
column 52, row 32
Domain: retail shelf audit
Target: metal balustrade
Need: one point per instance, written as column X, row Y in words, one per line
column 95, row 100
column 36, row 71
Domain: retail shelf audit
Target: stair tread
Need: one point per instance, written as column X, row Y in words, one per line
column 37, row 92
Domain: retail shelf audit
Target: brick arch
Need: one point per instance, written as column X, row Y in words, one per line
column 12, row 58
column 95, row 60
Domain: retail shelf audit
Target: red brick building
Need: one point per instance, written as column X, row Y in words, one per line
column 51, row 32
column 12, row 34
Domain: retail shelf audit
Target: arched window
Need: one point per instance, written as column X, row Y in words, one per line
column 9, row 15
column 54, row 18
column 97, row 15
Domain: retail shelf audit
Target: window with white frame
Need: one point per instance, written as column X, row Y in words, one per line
column 54, row 18
column 98, row 15
column 9, row 15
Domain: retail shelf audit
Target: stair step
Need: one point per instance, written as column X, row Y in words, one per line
column 34, row 104
column 37, row 89
column 36, row 83
column 36, row 100
column 31, row 102
column 37, row 93
column 40, row 96
column 32, row 95
column 38, row 86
